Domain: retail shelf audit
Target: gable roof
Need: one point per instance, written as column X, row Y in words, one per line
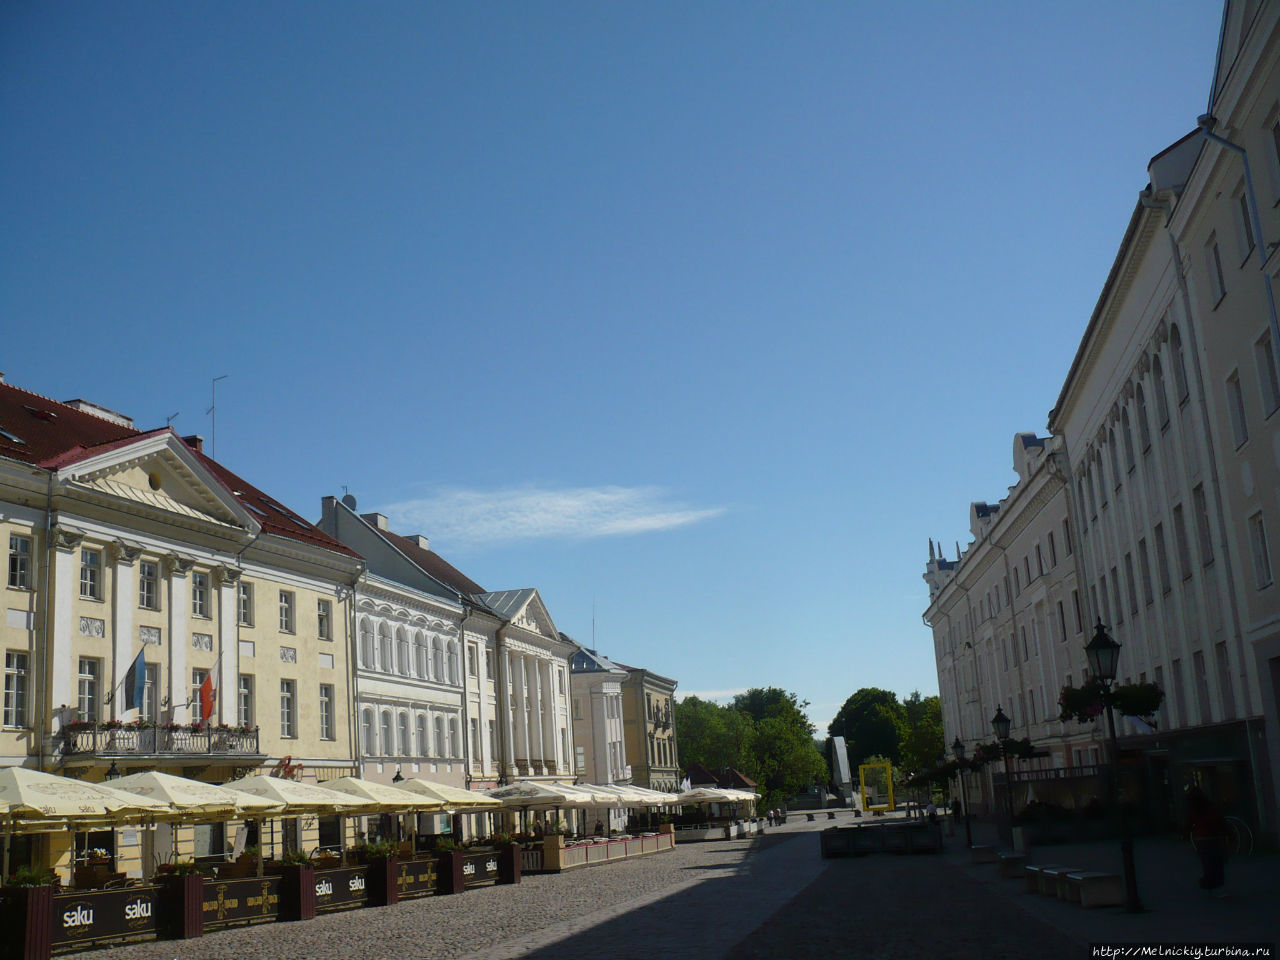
column 431, row 563
column 53, row 436
column 507, row 603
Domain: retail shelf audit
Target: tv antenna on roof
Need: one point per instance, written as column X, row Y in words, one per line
column 168, row 421
column 213, row 409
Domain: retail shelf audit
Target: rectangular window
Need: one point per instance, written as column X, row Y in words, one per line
column 1162, row 560
column 1202, row 687
column 1213, row 265
column 1261, row 553
column 1164, row 704
column 286, row 611
column 1224, row 682
column 493, row 741
column 1104, row 610
column 200, row 595
column 1244, row 223
column 580, row 759
column 91, row 574
column 1177, row 694
column 326, row 711
column 87, row 688
column 15, row 688
column 324, row 619
column 1062, row 621
column 198, row 676
column 1039, row 560
column 244, row 603
column 1066, row 536
column 1181, row 542
column 1053, row 552
column 1144, row 568
column 1235, row 407
column 1115, row 585
column 244, row 700
column 151, row 692
column 1075, row 602
column 288, row 709
column 474, row 731
column 19, row 562
column 1204, row 533
column 148, row 585
column 1269, row 386
column 488, row 664
column 472, row 666
column 1130, row 586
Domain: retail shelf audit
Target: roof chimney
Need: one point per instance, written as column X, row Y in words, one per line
column 98, row 410
column 195, row 442
column 376, row 519
column 421, row 541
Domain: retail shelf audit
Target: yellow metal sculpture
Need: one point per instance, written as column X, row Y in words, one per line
column 876, row 783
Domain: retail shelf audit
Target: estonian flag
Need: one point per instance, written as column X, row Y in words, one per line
column 135, row 680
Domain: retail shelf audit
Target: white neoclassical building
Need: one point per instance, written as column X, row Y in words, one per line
column 600, row 749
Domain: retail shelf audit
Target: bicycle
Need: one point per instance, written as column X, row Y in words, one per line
column 1239, row 837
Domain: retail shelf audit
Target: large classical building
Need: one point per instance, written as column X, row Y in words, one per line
column 141, row 572
column 1165, row 436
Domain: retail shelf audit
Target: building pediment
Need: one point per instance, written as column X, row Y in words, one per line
column 160, row 472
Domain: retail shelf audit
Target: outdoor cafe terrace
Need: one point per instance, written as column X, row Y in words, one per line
column 87, row 864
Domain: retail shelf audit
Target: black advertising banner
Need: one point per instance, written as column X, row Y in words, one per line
column 87, row 915
column 478, row 868
column 230, row 903
column 418, row 878
column 341, row 888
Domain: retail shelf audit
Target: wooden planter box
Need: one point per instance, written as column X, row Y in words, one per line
column 509, row 863
column 297, row 891
column 180, row 906
column 452, row 879
column 383, row 879
column 27, row 914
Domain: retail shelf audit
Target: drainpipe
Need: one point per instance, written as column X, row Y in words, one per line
column 42, row 680
column 1206, row 122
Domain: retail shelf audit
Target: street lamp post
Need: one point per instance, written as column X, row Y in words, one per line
column 957, row 749
column 1000, row 723
column 1104, row 657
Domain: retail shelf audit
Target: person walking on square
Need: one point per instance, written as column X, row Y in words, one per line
column 1208, row 831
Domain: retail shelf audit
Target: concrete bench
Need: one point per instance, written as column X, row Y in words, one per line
column 1053, row 880
column 810, row 816
column 1035, row 881
column 982, row 853
column 1093, row 889
column 1011, row 864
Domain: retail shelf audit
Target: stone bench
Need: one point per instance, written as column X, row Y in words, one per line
column 1011, row 864
column 1053, row 881
column 1036, row 883
column 982, row 853
column 1092, row 889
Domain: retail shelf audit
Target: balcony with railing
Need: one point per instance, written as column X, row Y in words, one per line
column 191, row 743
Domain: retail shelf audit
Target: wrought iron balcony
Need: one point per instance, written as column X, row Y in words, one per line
column 132, row 741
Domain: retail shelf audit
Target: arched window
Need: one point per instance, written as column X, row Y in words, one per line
column 1115, row 459
column 1144, row 427
column 1088, row 485
column 366, row 644
column 420, row 655
column 402, row 653
column 453, row 667
column 422, row 736
column 437, row 660
column 403, row 749
column 1157, row 384
column 368, row 733
column 1179, row 364
column 388, row 743
column 384, row 648
column 1126, row 432
column 439, row 732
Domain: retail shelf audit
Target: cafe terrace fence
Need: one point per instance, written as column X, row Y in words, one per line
column 40, row 921
column 555, row 856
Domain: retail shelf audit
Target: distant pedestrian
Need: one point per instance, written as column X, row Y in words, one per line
column 931, row 811
column 1208, row 832
column 956, row 813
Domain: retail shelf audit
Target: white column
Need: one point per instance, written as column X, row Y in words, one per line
column 599, row 737
column 62, row 670
column 176, row 570
column 226, row 708
column 550, row 749
column 535, row 682
column 124, row 598
column 506, row 711
column 522, row 705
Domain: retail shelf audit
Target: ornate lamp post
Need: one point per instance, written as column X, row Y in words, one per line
column 957, row 749
column 1000, row 724
column 1104, row 657
column 113, row 772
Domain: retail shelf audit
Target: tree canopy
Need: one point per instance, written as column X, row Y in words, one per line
column 763, row 732
column 874, row 723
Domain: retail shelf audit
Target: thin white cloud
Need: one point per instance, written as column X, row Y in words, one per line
column 531, row 513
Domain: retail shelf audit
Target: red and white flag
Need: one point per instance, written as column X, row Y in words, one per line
column 208, row 697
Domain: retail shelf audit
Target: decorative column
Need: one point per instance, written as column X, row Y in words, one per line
column 124, row 594
column 62, row 690
column 539, row 753
column 521, row 691
column 549, row 714
column 227, row 580
column 506, row 710
column 176, row 568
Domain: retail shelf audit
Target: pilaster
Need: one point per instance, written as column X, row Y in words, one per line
column 228, row 652
column 124, row 595
column 176, row 569
column 66, row 546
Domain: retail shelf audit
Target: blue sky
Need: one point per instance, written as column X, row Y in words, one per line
column 703, row 317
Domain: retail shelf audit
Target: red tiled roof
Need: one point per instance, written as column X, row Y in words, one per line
column 52, row 435
column 432, row 563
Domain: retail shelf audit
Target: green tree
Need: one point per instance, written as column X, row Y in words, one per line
column 872, row 721
column 922, row 741
column 712, row 735
column 764, row 702
column 787, row 762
